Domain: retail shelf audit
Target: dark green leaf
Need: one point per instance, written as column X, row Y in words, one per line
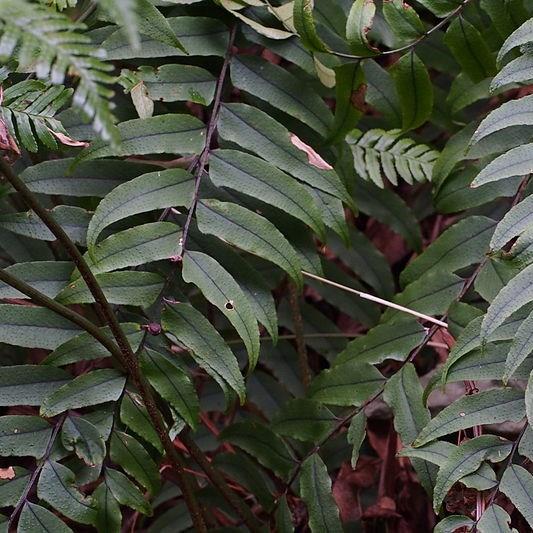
column 172, row 383
column 315, row 490
column 56, row 487
column 93, row 388
column 303, row 420
column 135, row 460
column 206, row 345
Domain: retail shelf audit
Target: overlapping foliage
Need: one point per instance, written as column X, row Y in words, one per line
column 195, row 195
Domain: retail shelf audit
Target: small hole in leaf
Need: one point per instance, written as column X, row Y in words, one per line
column 229, row 305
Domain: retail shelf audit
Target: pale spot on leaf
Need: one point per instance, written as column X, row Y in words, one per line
column 313, row 158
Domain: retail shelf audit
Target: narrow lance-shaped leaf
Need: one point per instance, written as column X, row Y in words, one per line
column 172, row 383
column 516, row 162
column 315, row 490
column 156, row 135
column 471, row 235
column 516, row 220
column 206, row 345
column 48, row 277
column 250, row 232
column 135, row 246
column 517, row 293
column 220, row 288
column 280, row 88
column 127, row 452
column 415, row 90
column 56, row 487
column 517, row 485
column 93, row 388
column 153, row 23
column 512, row 113
column 522, row 35
column 24, row 435
column 466, row 459
column 470, row 50
column 134, row 415
column 255, row 177
column 121, row 288
column 154, row 190
column 256, row 131
column 487, row 407
column 34, row 327
column 350, row 383
column 201, row 36
column 73, row 220
column 29, row 384
column 126, row 492
column 356, row 435
column 108, row 515
column 37, row 518
column 521, row 348
column 260, row 442
column 303, row 419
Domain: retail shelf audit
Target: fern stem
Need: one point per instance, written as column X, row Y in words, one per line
column 204, row 156
column 378, row 300
column 219, row 482
column 124, row 354
column 297, row 322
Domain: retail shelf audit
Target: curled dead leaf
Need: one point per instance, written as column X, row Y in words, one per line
column 313, row 158
column 68, row 141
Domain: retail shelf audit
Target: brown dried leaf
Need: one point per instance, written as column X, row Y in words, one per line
column 68, row 141
column 7, row 473
column 313, row 158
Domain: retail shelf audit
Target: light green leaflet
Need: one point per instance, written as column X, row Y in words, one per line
column 487, row 407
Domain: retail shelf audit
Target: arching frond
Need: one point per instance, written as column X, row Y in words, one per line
column 51, row 45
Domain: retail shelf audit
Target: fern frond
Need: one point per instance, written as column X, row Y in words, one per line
column 60, row 4
column 28, row 109
column 51, row 45
column 378, row 152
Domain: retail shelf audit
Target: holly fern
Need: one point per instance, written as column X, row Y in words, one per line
column 266, row 265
